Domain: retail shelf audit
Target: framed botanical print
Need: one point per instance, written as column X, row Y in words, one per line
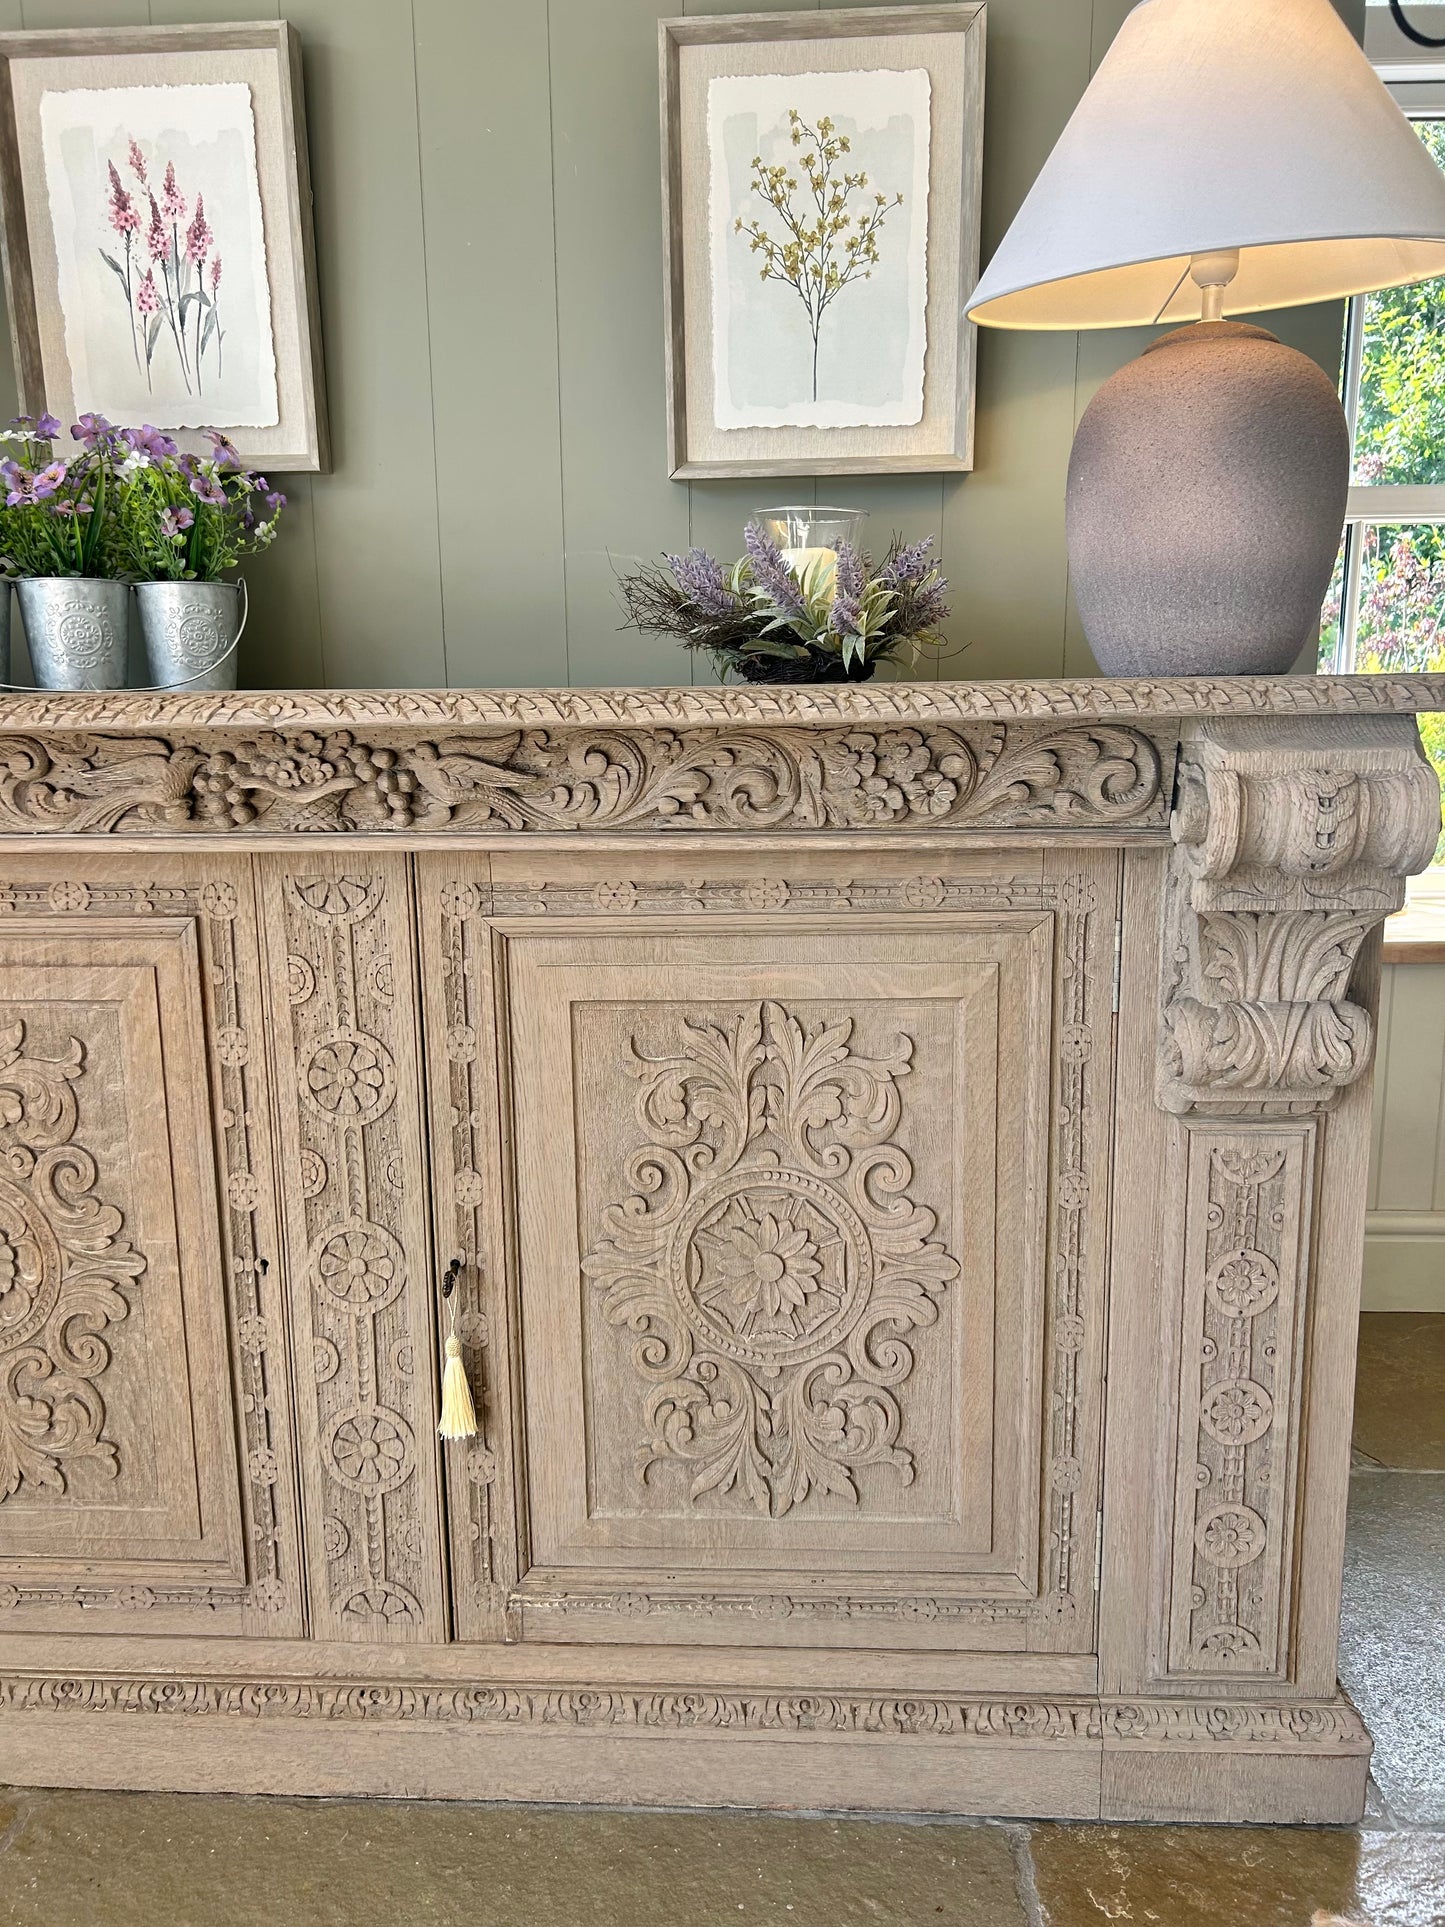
column 156, row 213
column 821, row 178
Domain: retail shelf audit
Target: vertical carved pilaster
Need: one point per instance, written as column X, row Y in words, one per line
column 1290, row 847
column 344, row 1000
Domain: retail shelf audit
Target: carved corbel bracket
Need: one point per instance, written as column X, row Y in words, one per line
column 1290, row 845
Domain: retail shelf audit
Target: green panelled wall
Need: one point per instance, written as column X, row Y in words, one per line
column 489, row 243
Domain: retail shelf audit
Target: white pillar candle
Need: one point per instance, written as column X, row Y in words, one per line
column 825, row 578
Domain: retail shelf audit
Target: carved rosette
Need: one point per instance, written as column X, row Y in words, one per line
column 926, row 777
column 65, row 1274
column 770, row 1259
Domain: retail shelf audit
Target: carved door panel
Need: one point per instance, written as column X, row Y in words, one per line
column 343, row 998
column 807, row 1209
column 126, row 1065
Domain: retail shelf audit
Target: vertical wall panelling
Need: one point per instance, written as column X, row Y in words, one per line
column 377, row 555
column 1004, row 523
column 490, row 263
column 283, row 634
column 486, row 184
column 618, row 504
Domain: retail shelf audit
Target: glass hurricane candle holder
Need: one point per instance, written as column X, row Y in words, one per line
column 809, row 534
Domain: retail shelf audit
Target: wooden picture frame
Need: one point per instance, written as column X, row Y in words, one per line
column 276, row 380
column 871, row 45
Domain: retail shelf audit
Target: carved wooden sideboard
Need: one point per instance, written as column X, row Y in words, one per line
column 905, row 1148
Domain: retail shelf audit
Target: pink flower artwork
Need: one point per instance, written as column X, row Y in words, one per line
column 180, row 307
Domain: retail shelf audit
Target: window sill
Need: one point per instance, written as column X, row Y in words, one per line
column 1416, row 934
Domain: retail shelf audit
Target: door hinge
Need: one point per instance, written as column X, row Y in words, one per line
column 1118, row 961
column 1098, row 1552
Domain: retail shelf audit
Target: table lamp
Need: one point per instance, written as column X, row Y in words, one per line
column 1228, row 155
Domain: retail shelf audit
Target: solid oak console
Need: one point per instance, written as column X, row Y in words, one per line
column 906, row 1150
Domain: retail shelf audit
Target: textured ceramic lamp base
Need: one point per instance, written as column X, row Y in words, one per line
column 1207, row 491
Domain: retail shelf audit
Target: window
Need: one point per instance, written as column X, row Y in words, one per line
column 1386, row 606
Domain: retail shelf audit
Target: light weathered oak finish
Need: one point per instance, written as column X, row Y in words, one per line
column 811, row 1085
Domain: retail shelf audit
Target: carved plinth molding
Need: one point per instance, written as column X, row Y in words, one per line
column 1289, row 848
column 1207, row 1725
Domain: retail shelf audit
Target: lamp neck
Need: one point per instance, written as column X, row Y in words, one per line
column 1211, row 274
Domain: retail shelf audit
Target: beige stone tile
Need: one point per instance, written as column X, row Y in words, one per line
column 1237, row 1876
column 1400, row 1389
column 1392, row 1659
column 174, row 1860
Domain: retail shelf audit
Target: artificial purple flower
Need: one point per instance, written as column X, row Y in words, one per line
column 206, row 488
column 48, row 481
column 120, row 206
column 93, row 431
column 771, row 573
column 146, row 440
column 47, row 428
column 17, row 482
column 275, row 501
column 175, row 522
column 910, row 564
column 703, row 581
column 224, row 449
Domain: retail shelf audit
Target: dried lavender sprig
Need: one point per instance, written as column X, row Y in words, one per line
column 906, row 564
column 845, row 618
column 772, row 574
column 704, row 582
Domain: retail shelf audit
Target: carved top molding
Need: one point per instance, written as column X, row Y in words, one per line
column 1063, row 699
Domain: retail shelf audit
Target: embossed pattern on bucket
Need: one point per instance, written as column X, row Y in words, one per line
column 191, row 630
column 76, row 630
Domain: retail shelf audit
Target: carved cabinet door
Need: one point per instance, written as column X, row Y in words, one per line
column 789, row 1323
column 140, row 1328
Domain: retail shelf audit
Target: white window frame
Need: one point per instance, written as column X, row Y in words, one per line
column 1416, row 77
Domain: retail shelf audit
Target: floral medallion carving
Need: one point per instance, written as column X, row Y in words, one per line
column 65, row 1268
column 1236, row 1443
column 770, row 1260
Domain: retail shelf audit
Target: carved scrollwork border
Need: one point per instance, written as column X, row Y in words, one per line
column 1094, row 699
column 919, row 777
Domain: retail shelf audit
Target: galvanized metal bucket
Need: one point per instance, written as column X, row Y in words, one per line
column 191, row 630
column 76, row 629
column 4, row 631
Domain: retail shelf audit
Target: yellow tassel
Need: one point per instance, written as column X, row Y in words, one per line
column 459, row 1415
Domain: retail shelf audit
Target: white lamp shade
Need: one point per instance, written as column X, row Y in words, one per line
column 1210, row 125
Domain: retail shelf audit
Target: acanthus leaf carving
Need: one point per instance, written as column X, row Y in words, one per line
column 769, row 1260
column 1287, row 854
column 65, row 1268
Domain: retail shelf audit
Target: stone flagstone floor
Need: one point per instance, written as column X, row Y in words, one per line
column 170, row 1860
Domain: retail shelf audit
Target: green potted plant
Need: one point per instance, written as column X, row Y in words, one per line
column 55, row 541
column 829, row 616
column 181, row 521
